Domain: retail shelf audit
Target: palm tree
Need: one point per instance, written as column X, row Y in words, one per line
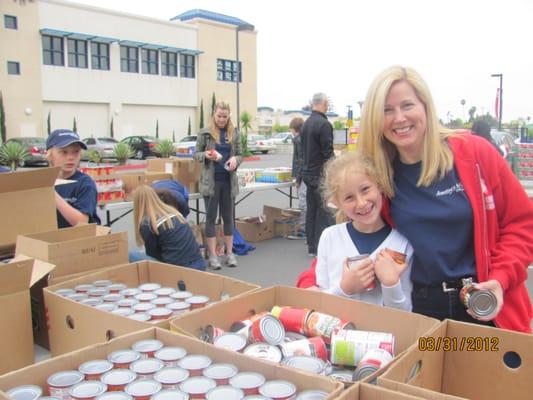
column 246, row 121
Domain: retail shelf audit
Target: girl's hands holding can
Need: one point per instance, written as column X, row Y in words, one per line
column 358, row 279
column 213, row 155
column 496, row 288
column 387, row 270
column 232, row 164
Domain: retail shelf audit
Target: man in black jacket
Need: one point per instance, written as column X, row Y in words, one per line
column 317, row 143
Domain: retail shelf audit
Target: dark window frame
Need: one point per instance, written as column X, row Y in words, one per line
column 14, row 22
column 130, row 61
column 100, row 56
column 15, row 64
column 169, row 63
column 56, row 55
column 149, row 61
column 77, row 52
column 187, row 66
column 227, row 70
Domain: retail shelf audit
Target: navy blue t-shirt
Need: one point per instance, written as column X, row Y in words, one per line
column 224, row 148
column 81, row 195
column 438, row 222
column 180, row 193
column 366, row 243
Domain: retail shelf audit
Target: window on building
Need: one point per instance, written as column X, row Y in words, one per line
column 129, row 59
column 186, row 66
column 13, row 68
column 77, row 53
column 10, row 22
column 169, row 64
column 100, row 56
column 227, row 70
column 149, row 61
column 52, row 50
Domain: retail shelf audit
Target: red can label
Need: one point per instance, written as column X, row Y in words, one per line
column 314, row 347
column 292, row 318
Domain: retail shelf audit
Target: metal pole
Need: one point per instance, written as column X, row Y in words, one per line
column 501, row 102
column 238, row 75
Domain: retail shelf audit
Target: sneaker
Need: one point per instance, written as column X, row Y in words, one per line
column 231, row 260
column 297, row 236
column 214, row 263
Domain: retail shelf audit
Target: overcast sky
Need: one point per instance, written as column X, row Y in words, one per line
column 337, row 47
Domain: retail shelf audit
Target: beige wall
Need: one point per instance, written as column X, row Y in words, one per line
column 21, row 93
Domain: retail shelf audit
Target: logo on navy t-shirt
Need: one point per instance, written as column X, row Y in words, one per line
column 456, row 188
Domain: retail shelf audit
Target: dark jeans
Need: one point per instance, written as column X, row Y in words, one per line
column 434, row 302
column 221, row 200
column 317, row 217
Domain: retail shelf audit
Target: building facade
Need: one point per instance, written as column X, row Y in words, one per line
column 267, row 118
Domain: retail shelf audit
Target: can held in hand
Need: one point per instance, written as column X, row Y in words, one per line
column 320, row 324
column 481, row 302
column 349, row 347
column 292, row 318
column 355, row 262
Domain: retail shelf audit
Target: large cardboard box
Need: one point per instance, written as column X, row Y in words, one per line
column 365, row 391
column 130, row 182
column 256, row 229
column 185, row 170
column 74, row 251
column 468, row 361
column 74, row 325
column 38, row 373
column 27, row 205
column 16, row 344
column 406, row 327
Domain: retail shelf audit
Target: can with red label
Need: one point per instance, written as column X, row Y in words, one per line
column 112, row 298
column 162, row 301
column 60, row 383
column 83, row 288
column 267, row 329
column 149, row 287
column 102, row 283
column 195, row 363
column 310, row 364
column 231, row 341
column 170, row 378
column 64, row 293
column 91, row 301
column 170, row 395
column 107, row 307
column 221, row 372
column 197, row 301
column 143, row 390
column 170, row 355
column 159, row 313
column 117, row 379
column 355, row 262
column 373, row 360
column 145, row 297
column 116, row 287
column 278, row 390
column 123, row 311
column 210, row 332
column 312, row 395
column 349, row 347
column 123, row 358
column 181, row 295
column 127, row 302
column 87, row 390
column 94, row 369
column 225, row 392
column 114, row 396
column 314, row 347
column 97, row 292
column 142, row 307
column 25, row 392
column 130, row 292
column 197, row 386
column 292, row 318
column 248, row 382
column 264, row 351
column 320, row 324
column 146, row 368
column 164, row 291
column 148, row 347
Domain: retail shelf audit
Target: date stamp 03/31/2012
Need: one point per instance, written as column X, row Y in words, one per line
column 463, row 343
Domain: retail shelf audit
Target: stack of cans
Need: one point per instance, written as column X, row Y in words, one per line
column 149, row 370
column 149, row 302
column 309, row 340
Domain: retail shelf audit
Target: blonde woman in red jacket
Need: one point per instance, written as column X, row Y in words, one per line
column 454, row 198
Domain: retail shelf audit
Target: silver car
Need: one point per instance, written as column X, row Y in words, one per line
column 104, row 145
column 260, row 143
column 36, row 148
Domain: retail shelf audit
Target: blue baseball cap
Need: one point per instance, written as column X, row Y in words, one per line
column 62, row 138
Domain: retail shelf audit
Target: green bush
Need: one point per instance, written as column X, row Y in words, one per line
column 12, row 154
column 166, row 148
column 122, row 152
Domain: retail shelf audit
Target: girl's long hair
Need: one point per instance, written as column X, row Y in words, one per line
column 148, row 206
column 214, row 129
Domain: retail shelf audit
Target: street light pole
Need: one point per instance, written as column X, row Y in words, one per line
column 500, row 99
column 238, row 28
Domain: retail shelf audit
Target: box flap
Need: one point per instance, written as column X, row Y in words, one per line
column 15, row 276
column 25, row 180
column 40, row 268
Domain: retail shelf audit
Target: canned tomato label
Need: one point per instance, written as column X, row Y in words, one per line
column 145, row 297
column 181, row 295
column 87, row 390
column 264, row 351
column 170, row 355
column 159, row 313
column 314, row 346
column 267, row 329
column 143, row 390
column 348, row 347
column 94, row 369
column 355, row 262
column 195, row 363
column 117, row 379
column 142, row 307
column 320, row 324
column 278, row 389
column 292, row 318
column 197, row 301
column 123, row 311
column 145, row 369
column 248, row 382
column 149, row 287
column 210, row 332
column 164, row 291
column 172, row 394
column 312, row 395
column 170, row 378
column 130, row 292
column 221, row 372
column 123, row 358
column 114, row 396
column 306, row 363
column 231, row 341
column 102, row 283
column 480, row 302
column 373, row 360
column 197, row 386
column 162, row 301
column 225, row 393
column 25, row 392
column 116, row 288
column 60, row 382
column 179, row 307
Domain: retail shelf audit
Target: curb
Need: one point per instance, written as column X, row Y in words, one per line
column 252, row 158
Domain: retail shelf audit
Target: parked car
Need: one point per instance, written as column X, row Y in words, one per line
column 260, row 143
column 104, row 145
column 186, row 145
column 35, row 146
column 505, row 142
column 143, row 146
column 282, row 137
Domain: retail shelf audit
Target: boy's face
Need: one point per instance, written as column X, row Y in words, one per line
column 66, row 158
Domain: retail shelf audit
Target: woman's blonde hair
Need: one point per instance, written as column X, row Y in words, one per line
column 214, row 129
column 147, row 205
column 335, row 173
column 437, row 158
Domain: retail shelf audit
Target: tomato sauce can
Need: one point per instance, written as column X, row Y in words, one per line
column 310, row 364
column 320, row 324
column 130, row 292
column 171, row 377
column 143, row 390
column 162, row 301
column 221, row 372
column 481, row 302
column 25, row 392
column 97, row 292
column 60, row 383
column 373, row 360
column 142, row 307
column 117, row 379
column 164, row 291
column 145, row 297
column 123, row 358
column 231, row 341
column 173, row 394
column 123, row 311
column 197, row 386
column 87, row 390
column 170, row 355
column 94, row 369
column 267, row 329
column 225, row 392
column 159, row 313
column 197, row 301
column 355, row 263
column 114, row 396
column 248, row 382
column 148, row 347
column 92, row 301
column 107, row 307
column 314, row 347
column 264, row 351
column 181, row 295
column 278, row 389
column 140, row 316
column 127, row 302
column 195, row 363
column 312, row 395
column 112, row 298
column 116, row 288
column 210, row 332
column 179, row 307
column 349, row 347
column 146, row 368
column 83, row 288
column 102, row 283
column 292, row 318
column 149, row 287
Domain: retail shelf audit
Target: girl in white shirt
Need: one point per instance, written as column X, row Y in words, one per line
column 349, row 184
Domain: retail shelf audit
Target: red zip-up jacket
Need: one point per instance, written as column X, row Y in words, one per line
column 503, row 225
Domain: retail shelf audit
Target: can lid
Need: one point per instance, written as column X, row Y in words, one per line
column 25, row 392
column 118, row 377
column 95, row 367
column 225, row 392
column 65, row 378
column 483, row 303
column 106, row 307
column 112, row 297
column 277, row 389
column 145, row 296
column 306, row 363
column 148, row 345
column 230, row 341
column 264, row 351
column 194, row 361
column 116, row 287
column 91, row 301
column 145, row 387
column 181, row 295
column 197, row 385
column 77, row 296
column 114, row 396
column 129, row 292
column 84, row 287
column 170, row 353
column 143, row 307
column 178, row 305
column 140, row 316
column 123, row 356
column 102, row 283
column 149, row 287
column 97, row 292
column 272, row 329
column 168, row 394
column 123, row 311
column 127, row 302
column 164, row 291
column 147, row 366
column 255, row 397
column 197, row 299
column 312, row 395
column 163, row 300
column 64, row 292
column 341, row 374
column 363, row 371
column 159, row 312
column 247, row 380
column 87, row 389
column 221, row 371
column 169, row 376
column 293, row 336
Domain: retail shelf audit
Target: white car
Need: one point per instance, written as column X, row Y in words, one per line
column 186, row 145
column 282, row 137
column 260, row 143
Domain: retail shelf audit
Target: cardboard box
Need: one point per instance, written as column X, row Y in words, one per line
column 130, row 182
column 74, row 251
column 467, row 361
column 256, row 229
column 16, row 278
column 20, row 194
column 38, row 374
column 365, row 391
column 74, row 325
column 185, row 170
column 406, row 327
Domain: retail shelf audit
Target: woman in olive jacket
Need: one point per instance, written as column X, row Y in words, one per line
column 218, row 148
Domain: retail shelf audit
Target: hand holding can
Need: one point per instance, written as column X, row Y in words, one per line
column 358, row 274
column 389, row 265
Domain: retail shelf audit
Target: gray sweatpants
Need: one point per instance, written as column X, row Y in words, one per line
column 222, row 201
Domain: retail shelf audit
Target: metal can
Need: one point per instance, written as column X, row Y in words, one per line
column 210, row 332
column 195, row 363
column 130, row 292
column 123, row 358
column 221, row 372
column 314, row 347
column 79, row 297
column 159, row 313
column 97, row 292
column 170, row 378
column 341, row 374
column 25, row 392
column 140, row 316
column 292, row 318
column 320, row 324
column 145, row 369
column 312, row 395
column 267, row 329
column 94, row 369
column 117, row 379
column 162, row 301
column 170, row 395
column 255, row 397
column 481, row 302
column 149, row 287
column 148, row 347
column 225, row 392
column 114, row 396
column 102, row 283
column 142, row 307
column 60, row 383
column 143, row 390
column 354, row 262
column 181, row 295
column 92, row 301
column 231, row 341
column 107, row 307
column 87, row 390
column 83, row 288
column 373, row 360
column 123, row 311
column 248, row 382
column 145, row 297
column 170, row 355
column 116, row 288
column 179, row 307
column 63, row 293
column 112, row 298
column 399, row 258
column 197, row 386
column 197, row 301
column 164, row 291
column 127, row 302
column 264, row 351
column 278, row 389
column 310, row 364
column 349, row 347
column 292, row 336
